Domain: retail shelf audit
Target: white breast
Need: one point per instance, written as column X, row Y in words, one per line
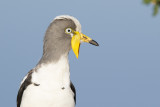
column 52, row 78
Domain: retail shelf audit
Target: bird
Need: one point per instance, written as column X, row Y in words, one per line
column 48, row 84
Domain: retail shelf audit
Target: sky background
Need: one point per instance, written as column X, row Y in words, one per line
column 124, row 71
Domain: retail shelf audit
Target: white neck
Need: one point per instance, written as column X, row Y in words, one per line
column 53, row 75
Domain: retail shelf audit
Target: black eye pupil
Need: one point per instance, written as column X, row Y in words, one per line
column 69, row 30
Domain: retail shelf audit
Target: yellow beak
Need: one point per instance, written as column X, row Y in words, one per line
column 77, row 39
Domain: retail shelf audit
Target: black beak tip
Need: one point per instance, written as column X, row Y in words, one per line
column 93, row 42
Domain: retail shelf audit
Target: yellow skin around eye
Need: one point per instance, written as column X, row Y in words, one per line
column 66, row 30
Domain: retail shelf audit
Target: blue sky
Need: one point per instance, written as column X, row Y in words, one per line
column 124, row 71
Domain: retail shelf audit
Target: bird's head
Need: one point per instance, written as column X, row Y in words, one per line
column 64, row 33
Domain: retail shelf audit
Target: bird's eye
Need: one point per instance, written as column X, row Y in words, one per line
column 68, row 30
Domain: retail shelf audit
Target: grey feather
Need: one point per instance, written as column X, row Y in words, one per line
column 56, row 41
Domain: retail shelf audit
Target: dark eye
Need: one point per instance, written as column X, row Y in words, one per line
column 68, row 30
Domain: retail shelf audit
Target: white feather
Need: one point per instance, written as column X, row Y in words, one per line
column 78, row 25
column 52, row 78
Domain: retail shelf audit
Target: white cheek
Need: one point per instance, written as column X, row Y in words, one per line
column 71, row 34
column 81, row 41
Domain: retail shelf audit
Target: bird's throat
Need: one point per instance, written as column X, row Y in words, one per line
column 54, row 74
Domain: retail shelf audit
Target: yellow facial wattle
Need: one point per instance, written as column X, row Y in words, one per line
column 75, row 43
column 77, row 39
